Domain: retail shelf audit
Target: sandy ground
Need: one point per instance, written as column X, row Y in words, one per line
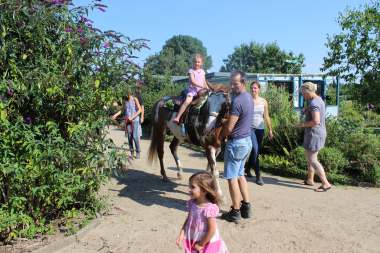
column 146, row 214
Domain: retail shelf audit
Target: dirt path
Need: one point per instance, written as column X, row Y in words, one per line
column 146, row 214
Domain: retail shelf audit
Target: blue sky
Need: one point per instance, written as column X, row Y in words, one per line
column 300, row 26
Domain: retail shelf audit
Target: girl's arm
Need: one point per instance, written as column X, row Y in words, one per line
column 268, row 122
column 181, row 235
column 211, row 222
column 138, row 108
column 114, row 117
column 193, row 82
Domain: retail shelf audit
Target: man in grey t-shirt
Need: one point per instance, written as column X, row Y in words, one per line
column 238, row 147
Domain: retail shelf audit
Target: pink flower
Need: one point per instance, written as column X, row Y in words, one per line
column 106, row 44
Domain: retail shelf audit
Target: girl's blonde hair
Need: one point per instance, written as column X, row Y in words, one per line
column 197, row 55
column 309, row 87
column 207, row 183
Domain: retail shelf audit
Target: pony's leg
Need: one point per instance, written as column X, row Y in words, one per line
column 209, row 160
column 211, row 157
column 160, row 153
column 173, row 148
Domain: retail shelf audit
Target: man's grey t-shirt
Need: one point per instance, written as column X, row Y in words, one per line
column 242, row 106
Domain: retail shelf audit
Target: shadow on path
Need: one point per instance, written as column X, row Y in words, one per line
column 149, row 189
column 187, row 170
column 197, row 154
column 275, row 181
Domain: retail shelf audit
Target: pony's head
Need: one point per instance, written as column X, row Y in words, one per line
column 218, row 109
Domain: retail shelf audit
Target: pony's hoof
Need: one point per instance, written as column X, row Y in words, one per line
column 165, row 179
column 179, row 175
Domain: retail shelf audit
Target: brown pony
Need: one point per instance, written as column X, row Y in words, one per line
column 203, row 123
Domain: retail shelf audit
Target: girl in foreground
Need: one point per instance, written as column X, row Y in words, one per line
column 200, row 233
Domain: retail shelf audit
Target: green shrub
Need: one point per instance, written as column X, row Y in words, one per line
column 297, row 156
column 363, row 151
column 333, row 160
column 281, row 166
column 338, row 131
column 57, row 74
column 351, row 111
column 372, row 119
column 284, row 119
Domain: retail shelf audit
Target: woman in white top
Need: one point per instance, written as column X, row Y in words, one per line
column 259, row 120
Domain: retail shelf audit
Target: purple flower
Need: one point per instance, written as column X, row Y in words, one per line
column 28, row 120
column 370, row 106
column 9, row 92
column 57, row 2
column 68, row 29
column 80, row 30
column 102, row 9
column 85, row 20
column 101, row 5
column 83, row 40
column 106, row 44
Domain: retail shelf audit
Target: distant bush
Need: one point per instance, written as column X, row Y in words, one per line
column 350, row 111
column 284, row 119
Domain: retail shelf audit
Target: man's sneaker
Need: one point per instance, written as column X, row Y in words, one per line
column 245, row 210
column 137, row 155
column 232, row 216
column 259, row 181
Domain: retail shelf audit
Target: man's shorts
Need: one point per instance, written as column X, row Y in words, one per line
column 235, row 154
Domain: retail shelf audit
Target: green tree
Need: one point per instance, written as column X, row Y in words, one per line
column 58, row 73
column 175, row 58
column 260, row 58
column 354, row 52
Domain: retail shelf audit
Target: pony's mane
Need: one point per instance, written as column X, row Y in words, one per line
column 219, row 87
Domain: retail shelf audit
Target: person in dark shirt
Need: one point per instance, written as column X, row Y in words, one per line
column 238, row 131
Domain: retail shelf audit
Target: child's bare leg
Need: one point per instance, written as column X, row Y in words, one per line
column 182, row 109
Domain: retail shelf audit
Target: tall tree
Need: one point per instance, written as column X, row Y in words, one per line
column 354, row 53
column 175, row 58
column 260, row 58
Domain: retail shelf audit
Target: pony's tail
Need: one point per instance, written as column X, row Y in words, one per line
column 156, row 133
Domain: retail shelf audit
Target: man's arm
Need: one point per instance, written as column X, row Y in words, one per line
column 142, row 113
column 227, row 128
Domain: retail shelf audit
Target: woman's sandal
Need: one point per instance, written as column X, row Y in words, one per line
column 322, row 189
column 305, row 182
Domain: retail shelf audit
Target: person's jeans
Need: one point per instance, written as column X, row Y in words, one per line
column 133, row 137
column 235, row 154
column 257, row 136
